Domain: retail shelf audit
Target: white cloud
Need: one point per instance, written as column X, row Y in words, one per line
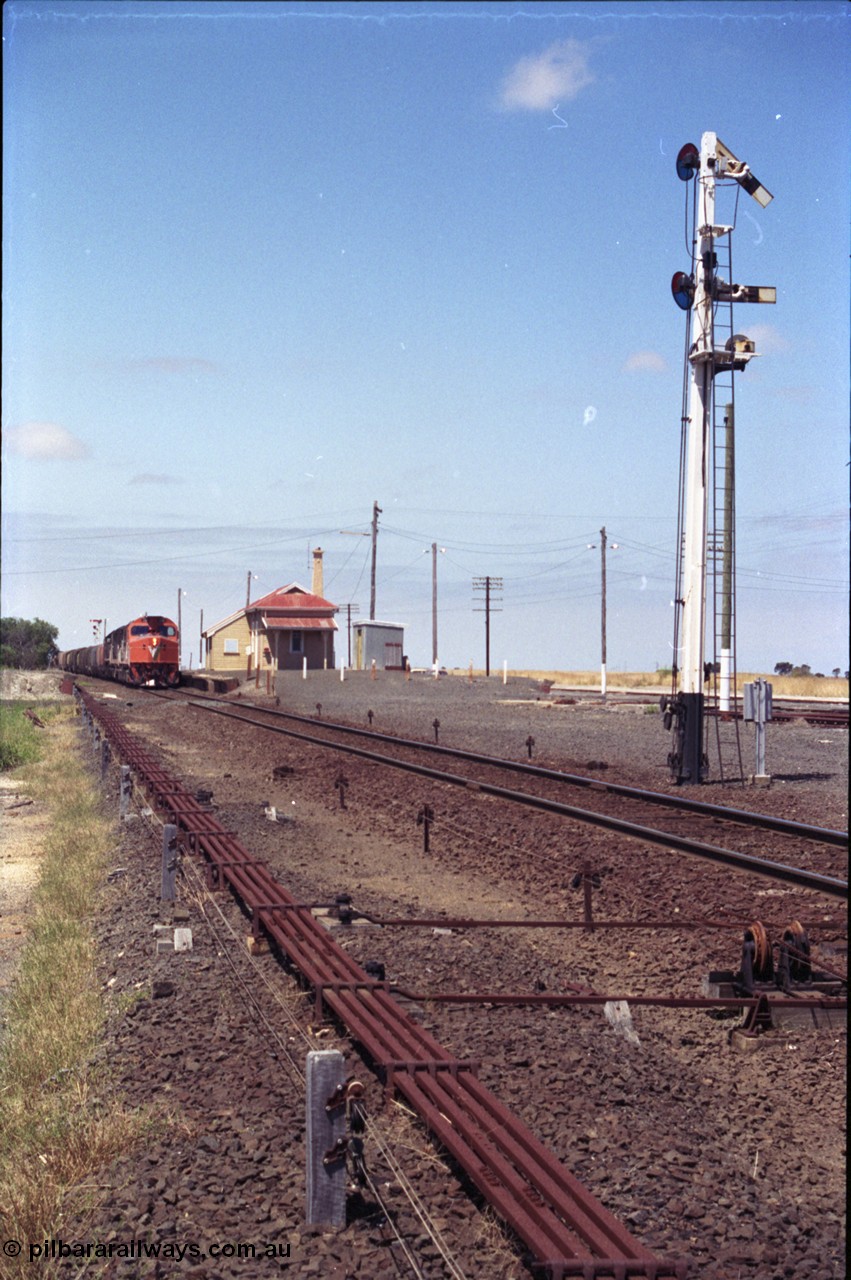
column 153, row 477
column 645, row 362
column 540, row 83
column 45, row 440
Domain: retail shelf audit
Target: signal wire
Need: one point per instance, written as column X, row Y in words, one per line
column 202, row 895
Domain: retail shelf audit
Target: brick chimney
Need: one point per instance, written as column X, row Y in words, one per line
column 317, row 586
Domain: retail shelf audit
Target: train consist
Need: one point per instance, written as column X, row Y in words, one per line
column 144, row 651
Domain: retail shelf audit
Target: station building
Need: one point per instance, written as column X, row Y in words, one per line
column 278, row 632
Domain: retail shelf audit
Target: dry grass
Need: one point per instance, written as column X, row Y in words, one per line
column 783, row 686
column 54, row 1130
column 805, row 686
column 591, row 679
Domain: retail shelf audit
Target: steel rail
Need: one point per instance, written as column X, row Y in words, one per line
column 798, row 876
column 823, row 835
column 463, row 922
column 565, row 1228
column 563, row 999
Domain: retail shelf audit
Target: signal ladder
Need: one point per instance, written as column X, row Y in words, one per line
column 721, row 529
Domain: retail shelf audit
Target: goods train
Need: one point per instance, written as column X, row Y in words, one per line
column 145, row 651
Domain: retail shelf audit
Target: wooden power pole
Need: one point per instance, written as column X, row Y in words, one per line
column 488, row 585
column 376, row 512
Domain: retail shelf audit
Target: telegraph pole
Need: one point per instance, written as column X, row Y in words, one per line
column 603, row 547
column 487, row 584
column 603, row 612
column 434, row 551
column 349, row 608
column 434, row 604
column 376, row 512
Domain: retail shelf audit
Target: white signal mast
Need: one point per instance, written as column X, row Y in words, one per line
column 701, row 292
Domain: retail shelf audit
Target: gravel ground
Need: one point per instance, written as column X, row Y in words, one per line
column 734, row 1160
column 808, row 764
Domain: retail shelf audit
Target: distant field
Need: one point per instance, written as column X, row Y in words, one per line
column 783, row 686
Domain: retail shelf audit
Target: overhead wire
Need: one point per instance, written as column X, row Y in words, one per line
column 362, row 570
column 134, row 564
column 335, row 575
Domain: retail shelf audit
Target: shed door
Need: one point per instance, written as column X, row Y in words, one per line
column 392, row 654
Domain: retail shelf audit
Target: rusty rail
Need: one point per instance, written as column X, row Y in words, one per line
column 567, row 1231
column 798, row 876
column 727, row 813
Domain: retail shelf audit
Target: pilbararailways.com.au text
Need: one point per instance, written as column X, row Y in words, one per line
column 139, row 1249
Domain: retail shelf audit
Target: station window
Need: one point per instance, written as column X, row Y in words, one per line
column 296, row 642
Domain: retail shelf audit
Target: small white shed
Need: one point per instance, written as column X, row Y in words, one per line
column 379, row 642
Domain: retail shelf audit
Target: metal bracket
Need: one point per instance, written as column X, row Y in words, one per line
column 336, row 1153
column 758, row 1018
column 348, row 1091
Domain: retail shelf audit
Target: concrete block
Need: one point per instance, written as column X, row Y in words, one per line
column 743, row 1042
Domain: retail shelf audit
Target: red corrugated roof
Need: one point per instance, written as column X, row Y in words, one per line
column 289, row 623
column 292, row 597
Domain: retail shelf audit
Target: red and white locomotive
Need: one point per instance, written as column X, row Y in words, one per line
column 144, row 651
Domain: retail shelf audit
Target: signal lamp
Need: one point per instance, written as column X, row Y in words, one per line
column 688, row 162
column 682, row 287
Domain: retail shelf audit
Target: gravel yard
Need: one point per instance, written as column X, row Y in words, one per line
column 733, row 1160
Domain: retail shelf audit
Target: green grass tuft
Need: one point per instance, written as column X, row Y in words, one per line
column 55, row 1127
column 22, row 742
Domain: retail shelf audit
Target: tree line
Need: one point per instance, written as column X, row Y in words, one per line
column 28, row 646
column 789, row 669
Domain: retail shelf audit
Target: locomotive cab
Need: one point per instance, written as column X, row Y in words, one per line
column 152, row 651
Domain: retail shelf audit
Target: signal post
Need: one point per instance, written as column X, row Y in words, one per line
column 701, row 292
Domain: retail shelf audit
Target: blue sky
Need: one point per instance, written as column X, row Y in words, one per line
column 265, row 264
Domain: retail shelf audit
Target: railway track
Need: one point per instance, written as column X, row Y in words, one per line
column 551, row 786
column 784, row 710
column 413, row 1066
column 568, row 1231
